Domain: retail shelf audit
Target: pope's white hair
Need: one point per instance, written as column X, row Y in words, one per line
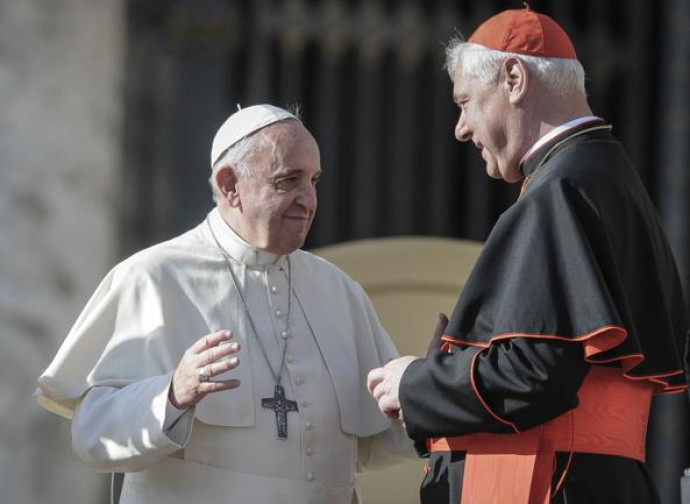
column 239, row 156
column 560, row 75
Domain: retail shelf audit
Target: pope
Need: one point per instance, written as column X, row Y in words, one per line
column 226, row 365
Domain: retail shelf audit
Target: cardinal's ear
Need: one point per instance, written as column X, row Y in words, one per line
column 515, row 75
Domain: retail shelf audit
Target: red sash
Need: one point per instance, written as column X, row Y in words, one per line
column 611, row 419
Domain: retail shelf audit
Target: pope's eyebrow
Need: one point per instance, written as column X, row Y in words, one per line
column 286, row 173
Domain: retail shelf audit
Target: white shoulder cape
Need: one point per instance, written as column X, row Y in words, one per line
column 151, row 307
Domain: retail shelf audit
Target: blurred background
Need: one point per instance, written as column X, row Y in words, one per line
column 108, row 108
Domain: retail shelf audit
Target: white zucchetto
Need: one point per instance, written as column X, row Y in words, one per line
column 244, row 122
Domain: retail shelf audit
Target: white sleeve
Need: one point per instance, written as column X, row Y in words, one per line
column 124, row 429
column 171, row 426
column 385, row 449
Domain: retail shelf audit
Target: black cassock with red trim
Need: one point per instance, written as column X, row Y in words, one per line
column 576, row 273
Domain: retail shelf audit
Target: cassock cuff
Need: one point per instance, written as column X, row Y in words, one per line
column 177, row 423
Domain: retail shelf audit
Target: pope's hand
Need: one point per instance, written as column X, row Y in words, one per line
column 206, row 358
column 383, row 383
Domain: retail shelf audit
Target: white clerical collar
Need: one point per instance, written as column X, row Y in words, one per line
column 555, row 132
column 239, row 249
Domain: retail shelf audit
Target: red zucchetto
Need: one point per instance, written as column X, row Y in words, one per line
column 524, row 31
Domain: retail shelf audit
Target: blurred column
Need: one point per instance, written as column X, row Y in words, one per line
column 60, row 90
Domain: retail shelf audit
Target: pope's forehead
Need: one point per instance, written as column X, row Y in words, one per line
column 285, row 139
column 283, row 134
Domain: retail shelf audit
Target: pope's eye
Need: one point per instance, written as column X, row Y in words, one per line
column 285, row 183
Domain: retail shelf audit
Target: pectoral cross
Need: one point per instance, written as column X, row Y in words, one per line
column 282, row 407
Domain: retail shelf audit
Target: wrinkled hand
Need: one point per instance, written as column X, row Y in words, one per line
column 383, row 384
column 205, row 357
column 435, row 343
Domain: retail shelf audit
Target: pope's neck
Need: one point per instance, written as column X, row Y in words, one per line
column 235, row 245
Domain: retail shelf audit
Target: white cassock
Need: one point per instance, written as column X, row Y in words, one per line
column 113, row 371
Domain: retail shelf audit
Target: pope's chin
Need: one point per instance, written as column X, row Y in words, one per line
column 294, row 233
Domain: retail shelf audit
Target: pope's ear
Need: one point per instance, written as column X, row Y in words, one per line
column 516, row 79
column 226, row 181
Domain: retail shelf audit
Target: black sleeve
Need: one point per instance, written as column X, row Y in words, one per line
column 523, row 381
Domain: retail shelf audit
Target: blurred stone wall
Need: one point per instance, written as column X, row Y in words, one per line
column 60, row 121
